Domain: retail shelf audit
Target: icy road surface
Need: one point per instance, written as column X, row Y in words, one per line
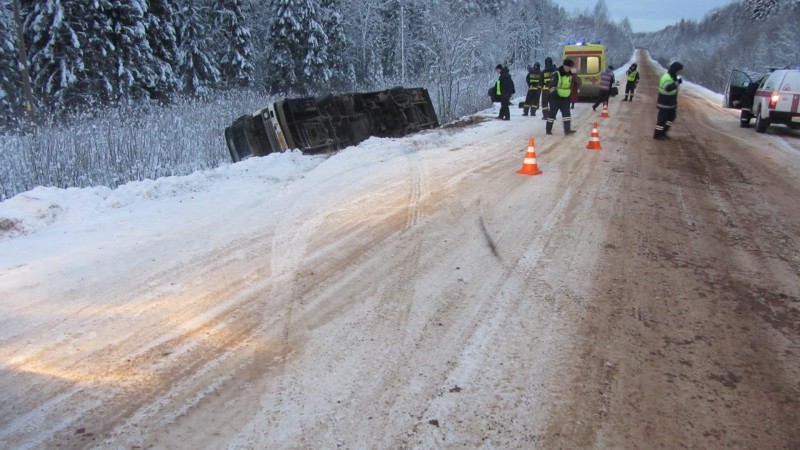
column 418, row 293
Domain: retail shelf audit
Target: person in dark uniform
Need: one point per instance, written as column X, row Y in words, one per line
column 547, row 75
column 534, row 81
column 560, row 91
column 748, row 98
column 667, row 100
column 504, row 88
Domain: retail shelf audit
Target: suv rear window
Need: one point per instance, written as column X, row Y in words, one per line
column 790, row 83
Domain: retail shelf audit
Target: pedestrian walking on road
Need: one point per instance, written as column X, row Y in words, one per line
column 534, row 81
column 633, row 80
column 606, row 81
column 504, row 88
column 560, row 91
column 667, row 100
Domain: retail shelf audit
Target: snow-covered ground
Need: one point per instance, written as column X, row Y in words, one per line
column 198, row 306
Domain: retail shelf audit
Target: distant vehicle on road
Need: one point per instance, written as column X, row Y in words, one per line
column 770, row 98
column 590, row 62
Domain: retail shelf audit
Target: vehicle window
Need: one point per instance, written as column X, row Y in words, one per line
column 791, row 83
column 592, row 64
column 739, row 79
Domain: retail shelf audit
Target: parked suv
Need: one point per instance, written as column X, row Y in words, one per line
column 775, row 101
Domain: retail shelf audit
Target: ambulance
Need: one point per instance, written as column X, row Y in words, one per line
column 769, row 98
column 590, row 62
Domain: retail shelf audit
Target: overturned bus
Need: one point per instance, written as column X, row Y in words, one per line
column 330, row 123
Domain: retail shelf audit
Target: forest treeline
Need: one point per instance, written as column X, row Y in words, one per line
column 106, row 52
column 750, row 35
column 125, row 90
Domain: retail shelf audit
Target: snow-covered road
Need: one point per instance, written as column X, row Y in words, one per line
column 418, row 293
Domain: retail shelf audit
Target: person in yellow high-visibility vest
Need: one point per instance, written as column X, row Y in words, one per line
column 667, row 102
column 560, row 90
column 633, row 80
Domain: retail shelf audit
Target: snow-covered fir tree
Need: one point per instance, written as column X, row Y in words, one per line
column 197, row 68
column 56, row 51
column 342, row 69
column 233, row 43
column 162, row 37
column 133, row 72
column 300, row 56
column 10, row 85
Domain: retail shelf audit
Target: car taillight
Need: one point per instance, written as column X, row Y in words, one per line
column 773, row 101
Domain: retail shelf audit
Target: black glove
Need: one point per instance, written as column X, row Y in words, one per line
column 679, row 80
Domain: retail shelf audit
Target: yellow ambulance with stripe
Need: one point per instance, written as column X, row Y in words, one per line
column 590, row 62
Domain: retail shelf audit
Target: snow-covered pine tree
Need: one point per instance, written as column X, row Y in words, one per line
column 762, row 9
column 387, row 40
column 162, row 37
column 418, row 38
column 197, row 69
column 342, row 68
column 473, row 7
column 301, row 61
column 232, row 46
column 10, row 85
column 56, row 52
column 133, row 70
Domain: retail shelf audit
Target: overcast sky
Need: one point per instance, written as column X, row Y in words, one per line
column 651, row 15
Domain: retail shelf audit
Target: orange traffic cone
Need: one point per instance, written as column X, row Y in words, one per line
column 529, row 166
column 594, row 141
column 605, row 110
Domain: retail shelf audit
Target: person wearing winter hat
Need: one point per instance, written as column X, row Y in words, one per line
column 547, row 75
column 534, row 80
column 667, row 102
column 606, row 81
column 504, row 89
column 633, row 80
column 560, row 91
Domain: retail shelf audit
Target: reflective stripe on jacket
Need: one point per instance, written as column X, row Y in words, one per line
column 533, row 81
column 667, row 92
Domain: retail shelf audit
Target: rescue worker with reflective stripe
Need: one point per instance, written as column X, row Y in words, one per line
column 667, row 103
column 560, row 90
column 633, row 80
column 504, row 88
column 547, row 75
column 534, row 80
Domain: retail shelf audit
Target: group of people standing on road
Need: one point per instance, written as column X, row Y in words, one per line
column 558, row 88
